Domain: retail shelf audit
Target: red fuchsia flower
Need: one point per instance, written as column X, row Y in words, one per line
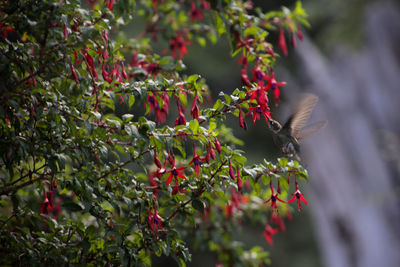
column 154, row 220
column 205, row 5
column 123, row 72
column 275, row 87
column 269, row 50
column 274, row 198
column 5, row 29
column 156, row 160
column 239, row 179
column 277, row 219
column 195, row 13
column 181, row 120
column 282, row 42
column 269, row 232
column 44, row 209
column 258, row 75
column 74, row 74
column 196, row 161
column 212, row 151
column 258, row 111
column 242, row 123
column 175, row 172
column 259, row 94
column 299, row 197
column 160, row 170
column 217, row 145
column 178, row 43
column 110, row 5
column 65, row 31
column 231, row 171
column 299, row 33
column 244, row 77
column 105, row 74
column 194, row 111
column 161, row 113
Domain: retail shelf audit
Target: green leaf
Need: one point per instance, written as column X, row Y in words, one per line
column 198, row 205
column 194, row 126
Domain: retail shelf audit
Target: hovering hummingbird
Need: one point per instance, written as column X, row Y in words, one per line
column 287, row 137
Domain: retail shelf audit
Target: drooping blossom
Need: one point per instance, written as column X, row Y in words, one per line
column 277, row 219
column 297, row 195
column 174, row 172
column 231, row 171
column 195, row 13
column 154, row 220
column 194, row 110
column 258, row 111
column 242, row 123
column 238, row 179
column 181, row 120
column 178, row 43
column 217, row 145
column 273, row 198
column 269, row 232
column 196, row 161
column 282, row 42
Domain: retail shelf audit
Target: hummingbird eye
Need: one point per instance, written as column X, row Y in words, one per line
column 275, row 126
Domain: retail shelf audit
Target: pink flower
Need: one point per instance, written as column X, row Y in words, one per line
column 194, row 111
column 181, row 120
column 154, row 220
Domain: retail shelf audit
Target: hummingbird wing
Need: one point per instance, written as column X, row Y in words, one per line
column 311, row 129
column 301, row 114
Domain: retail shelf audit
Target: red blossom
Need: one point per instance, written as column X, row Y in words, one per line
column 178, row 43
column 269, row 232
column 196, row 161
column 275, row 87
column 212, row 151
column 299, row 197
column 194, row 111
column 154, row 220
column 282, row 42
column 174, row 172
column 231, row 171
column 195, row 13
column 258, row 111
column 217, row 145
column 242, row 123
column 239, row 179
column 65, row 31
column 110, row 5
column 181, row 120
column 74, row 74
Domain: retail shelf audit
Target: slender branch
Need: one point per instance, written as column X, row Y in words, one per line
column 6, row 191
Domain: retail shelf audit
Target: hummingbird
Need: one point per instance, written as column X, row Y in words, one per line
column 287, row 137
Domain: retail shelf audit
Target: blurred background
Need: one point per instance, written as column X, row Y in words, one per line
column 350, row 59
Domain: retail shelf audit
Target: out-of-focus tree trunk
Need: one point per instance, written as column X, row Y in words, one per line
column 354, row 190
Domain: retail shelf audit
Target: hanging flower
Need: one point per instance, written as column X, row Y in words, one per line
column 282, row 42
column 175, row 172
column 242, row 123
column 231, row 171
column 196, row 161
column 195, row 13
column 194, row 111
column 181, row 120
column 239, row 179
column 258, row 111
column 299, row 197
column 178, row 43
column 154, row 220
column 269, row 232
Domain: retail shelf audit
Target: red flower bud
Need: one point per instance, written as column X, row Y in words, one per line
column 282, row 42
column 231, row 171
column 239, row 179
column 217, row 145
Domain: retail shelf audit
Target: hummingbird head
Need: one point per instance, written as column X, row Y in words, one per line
column 275, row 126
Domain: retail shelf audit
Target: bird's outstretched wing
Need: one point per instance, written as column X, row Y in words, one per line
column 309, row 130
column 301, row 114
